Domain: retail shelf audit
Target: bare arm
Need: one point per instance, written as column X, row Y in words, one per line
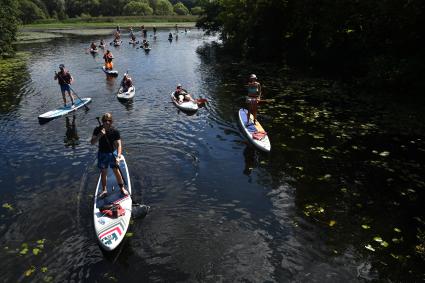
column 95, row 139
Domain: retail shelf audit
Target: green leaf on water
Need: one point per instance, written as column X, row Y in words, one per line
column 30, row 271
column 384, row 244
column 7, row 206
column 332, row 223
column 377, row 239
column 364, row 226
column 129, row 234
column 48, row 279
column 41, row 241
column 394, row 256
column 44, row 269
column 370, row 248
column 36, row 251
column 384, row 153
column 397, row 230
column 24, row 251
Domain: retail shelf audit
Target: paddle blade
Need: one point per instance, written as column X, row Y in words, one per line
column 201, row 100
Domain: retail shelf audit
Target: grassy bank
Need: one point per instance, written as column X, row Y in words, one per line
column 112, row 22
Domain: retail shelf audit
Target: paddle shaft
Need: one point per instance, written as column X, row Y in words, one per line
column 111, row 148
column 87, row 108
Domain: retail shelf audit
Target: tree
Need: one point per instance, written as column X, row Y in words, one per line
column 196, row 10
column 29, row 11
column 9, row 26
column 137, row 8
column 163, row 7
column 180, row 9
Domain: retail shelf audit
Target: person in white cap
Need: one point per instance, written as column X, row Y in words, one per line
column 254, row 95
column 181, row 94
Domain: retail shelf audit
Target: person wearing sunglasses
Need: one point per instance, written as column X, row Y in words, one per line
column 109, row 154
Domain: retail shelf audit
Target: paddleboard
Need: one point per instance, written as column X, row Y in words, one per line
column 64, row 109
column 110, row 72
column 147, row 49
column 129, row 94
column 94, row 51
column 254, row 132
column 185, row 105
column 111, row 231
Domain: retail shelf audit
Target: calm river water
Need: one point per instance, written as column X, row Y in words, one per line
column 338, row 199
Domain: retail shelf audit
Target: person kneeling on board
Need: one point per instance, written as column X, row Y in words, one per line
column 181, row 94
column 109, row 154
column 126, row 83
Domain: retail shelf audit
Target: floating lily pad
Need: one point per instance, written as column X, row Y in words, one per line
column 7, row 206
column 129, row 234
column 364, row 226
column 36, row 251
column 370, row 248
column 332, row 223
column 30, row 271
column 377, row 239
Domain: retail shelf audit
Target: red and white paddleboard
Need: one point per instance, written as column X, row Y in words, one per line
column 111, row 231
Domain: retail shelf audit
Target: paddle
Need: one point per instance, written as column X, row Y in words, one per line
column 111, row 148
column 201, row 101
column 85, row 106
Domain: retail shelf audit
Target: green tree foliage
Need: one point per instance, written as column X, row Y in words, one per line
column 75, row 8
column 112, row 7
column 188, row 3
column 29, row 11
column 196, row 10
column 372, row 39
column 163, row 7
column 180, row 9
column 137, row 8
column 8, row 26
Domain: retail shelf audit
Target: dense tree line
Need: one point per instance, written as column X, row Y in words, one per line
column 31, row 10
column 377, row 40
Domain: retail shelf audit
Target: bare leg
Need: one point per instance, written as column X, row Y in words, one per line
column 120, row 180
column 64, row 98
column 104, row 173
column 71, row 97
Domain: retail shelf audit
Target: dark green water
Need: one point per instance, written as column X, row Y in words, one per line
column 338, row 199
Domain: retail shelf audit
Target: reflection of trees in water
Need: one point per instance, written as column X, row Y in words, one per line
column 71, row 135
column 14, row 78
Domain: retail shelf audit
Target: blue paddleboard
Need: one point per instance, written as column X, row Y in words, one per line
column 64, row 109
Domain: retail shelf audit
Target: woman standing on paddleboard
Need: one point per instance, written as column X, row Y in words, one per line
column 254, row 94
column 109, row 154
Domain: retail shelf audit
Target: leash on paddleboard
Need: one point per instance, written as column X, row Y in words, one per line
column 87, row 108
column 111, row 148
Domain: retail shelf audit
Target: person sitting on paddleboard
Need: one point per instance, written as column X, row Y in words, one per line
column 133, row 38
column 93, row 46
column 108, row 57
column 254, row 94
column 145, row 43
column 102, row 43
column 181, row 94
column 126, row 82
column 109, row 154
column 64, row 79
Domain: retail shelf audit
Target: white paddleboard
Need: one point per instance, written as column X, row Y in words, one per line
column 110, row 72
column 64, row 109
column 185, row 105
column 250, row 129
column 111, row 231
column 129, row 94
